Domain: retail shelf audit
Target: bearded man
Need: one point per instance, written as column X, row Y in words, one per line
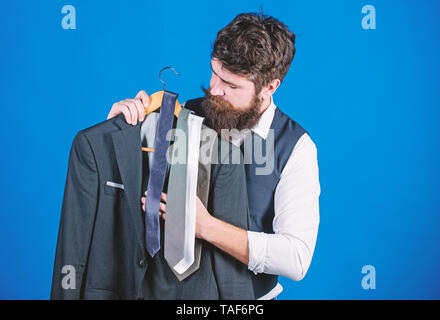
column 250, row 59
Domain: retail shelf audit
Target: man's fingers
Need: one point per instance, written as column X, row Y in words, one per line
column 125, row 108
column 162, row 204
column 139, row 108
column 144, row 98
column 132, row 108
column 116, row 109
column 113, row 111
column 163, row 196
column 143, row 203
column 126, row 114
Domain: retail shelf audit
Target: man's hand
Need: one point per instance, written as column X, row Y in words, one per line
column 203, row 218
column 162, row 205
column 133, row 109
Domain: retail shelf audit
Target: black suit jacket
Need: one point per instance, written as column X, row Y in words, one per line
column 102, row 234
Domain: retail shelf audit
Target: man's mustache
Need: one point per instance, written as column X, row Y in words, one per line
column 218, row 101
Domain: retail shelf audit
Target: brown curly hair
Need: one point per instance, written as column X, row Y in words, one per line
column 257, row 46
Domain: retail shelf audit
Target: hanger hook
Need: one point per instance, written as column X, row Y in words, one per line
column 163, row 70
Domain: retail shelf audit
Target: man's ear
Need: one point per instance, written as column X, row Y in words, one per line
column 270, row 88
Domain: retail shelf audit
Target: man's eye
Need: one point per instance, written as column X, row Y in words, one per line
column 232, row 87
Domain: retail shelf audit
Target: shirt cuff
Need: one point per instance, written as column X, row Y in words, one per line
column 257, row 242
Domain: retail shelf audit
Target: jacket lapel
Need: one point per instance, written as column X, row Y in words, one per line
column 127, row 144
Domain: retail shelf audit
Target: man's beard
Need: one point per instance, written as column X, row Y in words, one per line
column 223, row 115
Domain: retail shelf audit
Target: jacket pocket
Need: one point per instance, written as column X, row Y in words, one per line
column 114, row 189
column 100, row 294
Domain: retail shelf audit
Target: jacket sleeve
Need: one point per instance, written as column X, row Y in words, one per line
column 77, row 220
column 229, row 203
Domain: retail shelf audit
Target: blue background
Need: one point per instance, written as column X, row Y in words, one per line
column 369, row 99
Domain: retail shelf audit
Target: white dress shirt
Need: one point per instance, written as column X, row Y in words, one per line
column 288, row 252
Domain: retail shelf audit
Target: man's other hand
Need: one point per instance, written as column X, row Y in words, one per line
column 133, row 109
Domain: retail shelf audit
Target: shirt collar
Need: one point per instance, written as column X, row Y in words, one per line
column 262, row 127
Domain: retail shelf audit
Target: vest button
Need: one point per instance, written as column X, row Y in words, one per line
column 142, row 262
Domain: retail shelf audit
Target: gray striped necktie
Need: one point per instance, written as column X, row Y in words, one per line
column 176, row 250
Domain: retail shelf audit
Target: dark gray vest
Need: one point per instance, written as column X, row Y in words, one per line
column 261, row 187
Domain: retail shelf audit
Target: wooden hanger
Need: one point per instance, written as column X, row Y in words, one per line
column 156, row 102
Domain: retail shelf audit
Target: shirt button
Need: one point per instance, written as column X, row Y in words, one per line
column 142, row 262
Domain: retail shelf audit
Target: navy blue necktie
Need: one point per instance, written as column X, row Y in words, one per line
column 157, row 173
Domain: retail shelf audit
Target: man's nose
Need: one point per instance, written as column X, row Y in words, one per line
column 216, row 89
